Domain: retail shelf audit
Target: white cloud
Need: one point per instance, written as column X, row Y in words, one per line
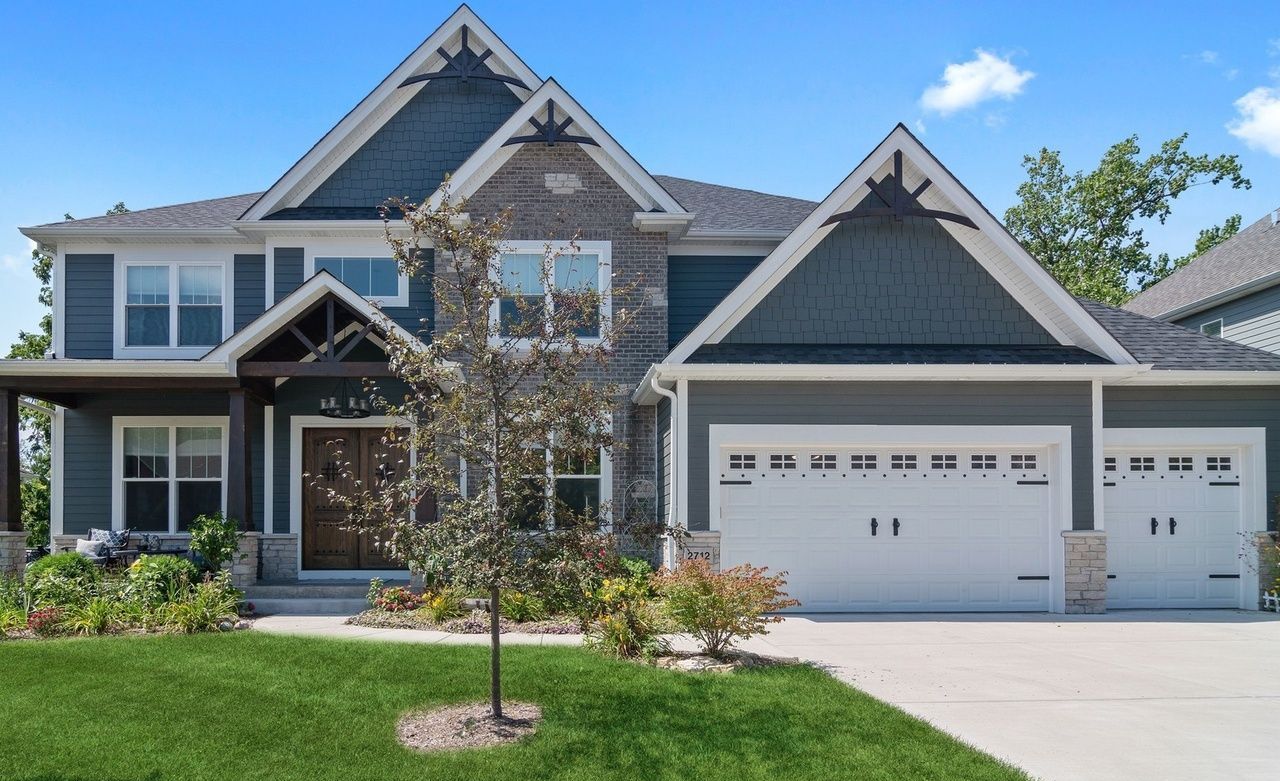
column 1208, row 57
column 920, row 128
column 1258, row 120
column 1232, row 73
column 966, row 84
column 18, row 263
column 1273, row 47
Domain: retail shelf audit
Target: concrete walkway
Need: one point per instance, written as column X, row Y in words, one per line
column 1129, row 695
column 334, row 627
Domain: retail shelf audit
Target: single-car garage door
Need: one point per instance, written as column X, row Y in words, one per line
column 893, row 528
column 1173, row 527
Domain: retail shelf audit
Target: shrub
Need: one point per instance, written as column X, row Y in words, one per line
column 397, row 598
column 216, row 538
column 95, row 617
column 639, row 571
column 154, row 580
column 375, row 588
column 45, row 622
column 12, row 595
column 627, row 625
column 442, row 605
column 204, row 608
column 62, row 579
column 11, row 619
column 720, row 608
column 520, row 607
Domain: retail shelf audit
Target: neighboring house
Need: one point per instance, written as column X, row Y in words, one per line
column 1232, row 291
column 882, row 394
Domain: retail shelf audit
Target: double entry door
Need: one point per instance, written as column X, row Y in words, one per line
column 334, row 459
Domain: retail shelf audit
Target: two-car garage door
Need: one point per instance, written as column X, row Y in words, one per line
column 893, row 528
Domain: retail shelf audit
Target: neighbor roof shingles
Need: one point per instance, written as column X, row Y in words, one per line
column 1172, row 347
column 213, row 213
column 717, row 207
column 1249, row 255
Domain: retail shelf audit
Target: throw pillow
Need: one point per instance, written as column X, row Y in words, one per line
column 94, row 549
column 112, row 539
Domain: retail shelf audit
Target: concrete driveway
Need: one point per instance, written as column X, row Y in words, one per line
column 1129, row 695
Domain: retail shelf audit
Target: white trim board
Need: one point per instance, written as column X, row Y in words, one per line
column 360, row 249
column 1251, row 442
column 1056, row 438
column 609, row 155
column 991, row 245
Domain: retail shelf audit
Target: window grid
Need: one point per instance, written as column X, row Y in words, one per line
column 742, row 461
column 822, row 461
column 371, row 277
column 170, row 475
column 1142, row 463
column 1109, row 464
column 943, row 461
column 903, row 461
column 862, row 461
column 1022, row 462
column 1181, row 464
column 1218, row 463
column 983, row 461
column 782, row 461
column 177, row 304
column 526, row 274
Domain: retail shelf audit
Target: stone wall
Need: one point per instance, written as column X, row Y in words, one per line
column 13, row 552
column 1086, row 571
column 279, row 554
column 244, row 567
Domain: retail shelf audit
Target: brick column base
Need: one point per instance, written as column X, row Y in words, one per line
column 244, row 569
column 13, row 552
column 1268, row 564
column 1086, row 571
column 279, row 556
column 697, row 545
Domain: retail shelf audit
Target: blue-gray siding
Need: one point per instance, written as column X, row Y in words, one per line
column 287, row 271
column 696, row 283
column 892, row 404
column 250, row 275
column 1191, row 407
column 878, row 281
column 88, row 302
column 1253, row 319
column 86, row 438
column 433, row 134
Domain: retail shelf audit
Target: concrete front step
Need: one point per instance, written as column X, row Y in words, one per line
column 309, row 607
column 310, row 589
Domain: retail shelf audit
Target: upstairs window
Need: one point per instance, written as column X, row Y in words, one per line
column 1212, row 328
column 372, row 277
column 169, row 305
column 528, row 272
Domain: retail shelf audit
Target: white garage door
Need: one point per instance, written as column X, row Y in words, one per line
column 1173, row 528
column 893, row 529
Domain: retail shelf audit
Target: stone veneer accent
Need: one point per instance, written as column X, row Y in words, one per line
column 13, row 552
column 1086, row 571
column 279, row 555
column 244, row 568
column 1267, row 564
column 697, row 545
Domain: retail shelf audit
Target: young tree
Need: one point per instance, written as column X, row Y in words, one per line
column 1083, row 227
column 510, row 384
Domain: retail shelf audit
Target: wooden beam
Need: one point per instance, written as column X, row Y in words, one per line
column 239, row 460
column 39, row 387
column 355, row 340
column 10, row 471
column 307, row 343
column 314, row 369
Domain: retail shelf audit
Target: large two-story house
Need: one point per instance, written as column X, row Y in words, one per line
column 881, row 393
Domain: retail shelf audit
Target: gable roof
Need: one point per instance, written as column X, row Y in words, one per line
column 991, row 246
column 720, row 208
column 649, row 195
column 383, row 102
column 315, row 289
column 1244, row 263
column 211, row 213
column 1171, row 347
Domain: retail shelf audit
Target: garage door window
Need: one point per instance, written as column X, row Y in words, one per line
column 943, row 461
column 982, row 461
column 862, row 462
column 742, row 462
column 1142, row 463
column 902, row 461
column 782, row 461
column 822, row 461
column 1218, row 463
column 1109, row 464
column 1180, row 463
column 1022, row 463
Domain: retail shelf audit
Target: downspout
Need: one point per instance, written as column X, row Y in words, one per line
column 669, row 556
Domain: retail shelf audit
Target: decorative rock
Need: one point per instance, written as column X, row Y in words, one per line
column 242, row 624
column 226, row 626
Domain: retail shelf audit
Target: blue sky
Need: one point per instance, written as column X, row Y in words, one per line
column 157, row 103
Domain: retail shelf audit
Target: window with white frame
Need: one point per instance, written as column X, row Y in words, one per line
column 173, row 304
column 371, row 277
column 577, row 488
column 169, row 474
column 1212, row 328
column 528, row 270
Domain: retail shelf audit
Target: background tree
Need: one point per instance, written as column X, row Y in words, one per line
column 36, row 426
column 1205, row 241
column 513, row 397
column 1086, row 228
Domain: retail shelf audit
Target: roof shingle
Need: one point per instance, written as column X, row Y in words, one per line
column 717, row 207
column 213, row 213
column 1172, row 347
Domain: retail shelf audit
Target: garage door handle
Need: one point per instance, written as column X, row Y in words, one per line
column 1173, row 526
column 1154, row 525
column 895, row 527
column 874, row 525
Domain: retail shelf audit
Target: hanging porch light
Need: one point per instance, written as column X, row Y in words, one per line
column 345, row 403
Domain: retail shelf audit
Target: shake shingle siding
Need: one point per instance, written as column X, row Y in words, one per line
column 89, row 299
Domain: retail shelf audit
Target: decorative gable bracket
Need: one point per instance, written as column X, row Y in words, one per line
column 898, row 202
column 464, row 65
column 550, row 132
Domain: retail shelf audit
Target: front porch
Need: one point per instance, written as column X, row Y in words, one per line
column 148, row 445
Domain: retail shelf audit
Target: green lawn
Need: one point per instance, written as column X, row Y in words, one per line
column 254, row 706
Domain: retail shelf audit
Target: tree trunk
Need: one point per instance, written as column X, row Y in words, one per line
column 495, row 656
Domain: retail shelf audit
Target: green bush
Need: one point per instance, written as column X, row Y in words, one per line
column 154, row 580
column 442, row 605
column 520, row 607
column 203, row 608
column 63, row 579
column 97, row 616
column 216, row 538
column 628, row 624
column 718, row 608
column 375, row 588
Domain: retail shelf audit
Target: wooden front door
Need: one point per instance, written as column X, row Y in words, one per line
column 335, row 459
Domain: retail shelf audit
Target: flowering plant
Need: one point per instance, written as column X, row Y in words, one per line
column 718, row 608
column 397, row 598
column 46, row 621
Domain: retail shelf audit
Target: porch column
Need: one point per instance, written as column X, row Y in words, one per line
column 239, row 461
column 12, row 537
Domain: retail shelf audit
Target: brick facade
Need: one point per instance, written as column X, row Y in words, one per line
column 557, row 194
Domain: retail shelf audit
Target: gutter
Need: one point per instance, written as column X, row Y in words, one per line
column 675, row 473
column 1221, row 297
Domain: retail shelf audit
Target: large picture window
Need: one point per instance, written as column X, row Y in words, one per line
column 370, row 277
column 528, row 268
column 579, row 486
column 169, row 474
column 173, row 304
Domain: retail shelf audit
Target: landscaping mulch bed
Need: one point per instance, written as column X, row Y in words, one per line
column 726, row 663
column 469, row 725
column 476, row 623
